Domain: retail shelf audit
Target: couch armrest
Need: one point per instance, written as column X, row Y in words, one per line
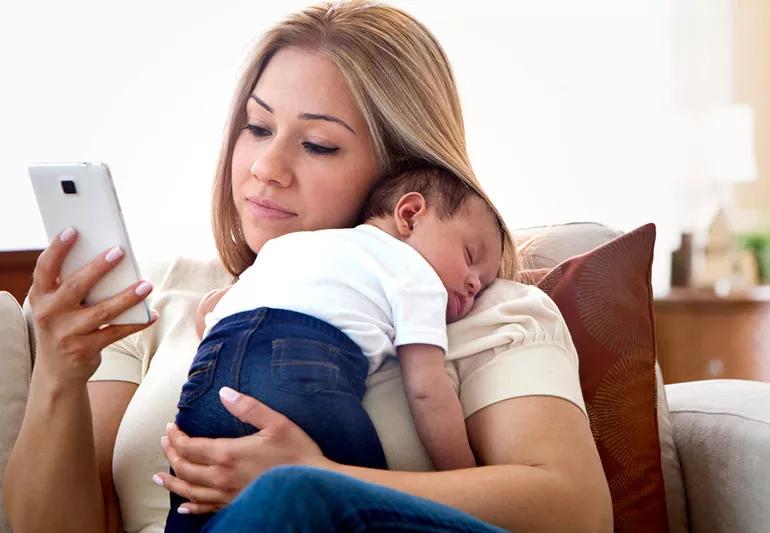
column 15, row 374
column 722, row 434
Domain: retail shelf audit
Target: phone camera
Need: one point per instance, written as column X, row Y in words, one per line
column 68, row 186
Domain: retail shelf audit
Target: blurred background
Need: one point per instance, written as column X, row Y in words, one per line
column 617, row 111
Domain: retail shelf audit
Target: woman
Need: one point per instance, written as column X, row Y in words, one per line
column 334, row 97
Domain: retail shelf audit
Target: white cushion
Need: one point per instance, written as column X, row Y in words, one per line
column 676, row 501
column 722, row 434
column 547, row 246
column 15, row 373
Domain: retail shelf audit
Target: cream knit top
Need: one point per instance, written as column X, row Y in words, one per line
column 513, row 343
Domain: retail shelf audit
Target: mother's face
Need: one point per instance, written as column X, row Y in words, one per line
column 305, row 160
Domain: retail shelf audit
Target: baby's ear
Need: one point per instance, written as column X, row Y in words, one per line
column 409, row 208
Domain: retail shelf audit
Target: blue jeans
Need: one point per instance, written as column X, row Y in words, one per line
column 310, row 500
column 298, row 365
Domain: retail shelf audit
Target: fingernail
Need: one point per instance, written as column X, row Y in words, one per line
column 182, row 510
column 163, row 441
column 157, row 480
column 143, row 288
column 67, row 234
column 169, row 426
column 228, row 394
column 114, row 254
column 154, row 314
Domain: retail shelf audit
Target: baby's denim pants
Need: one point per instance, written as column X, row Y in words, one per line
column 298, row 365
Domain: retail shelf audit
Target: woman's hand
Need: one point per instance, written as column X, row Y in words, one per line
column 68, row 334
column 212, row 472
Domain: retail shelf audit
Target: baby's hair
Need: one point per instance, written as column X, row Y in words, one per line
column 442, row 190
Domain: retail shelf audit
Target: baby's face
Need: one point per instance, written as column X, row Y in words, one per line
column 464, row 250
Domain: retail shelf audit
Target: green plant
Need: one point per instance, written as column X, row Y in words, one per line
column 759, row 244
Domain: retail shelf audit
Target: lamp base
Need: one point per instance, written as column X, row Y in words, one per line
column 722, row 265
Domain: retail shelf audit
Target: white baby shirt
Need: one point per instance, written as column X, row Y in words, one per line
column 376, row 289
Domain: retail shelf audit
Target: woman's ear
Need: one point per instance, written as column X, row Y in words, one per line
column 409, row 208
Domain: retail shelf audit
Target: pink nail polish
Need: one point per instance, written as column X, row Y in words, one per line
column 228, row 394
column 182, row 510
column 157, row 480
column 67, row 234
column 143, row 288
column 113, row 255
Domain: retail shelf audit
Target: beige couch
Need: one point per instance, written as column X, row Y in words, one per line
column 715, row 435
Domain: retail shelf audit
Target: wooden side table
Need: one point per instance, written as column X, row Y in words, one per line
column 705, row 336
column 16, row 268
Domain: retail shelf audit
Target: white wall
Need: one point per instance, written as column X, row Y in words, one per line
column 568, row 106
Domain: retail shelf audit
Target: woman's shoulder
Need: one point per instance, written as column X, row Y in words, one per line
column 179, row 283
column 514, row 293
column 187, row 273
column 514, row 343
column 509, row 313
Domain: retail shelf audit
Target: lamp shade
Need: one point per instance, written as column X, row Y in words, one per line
column 728, row 145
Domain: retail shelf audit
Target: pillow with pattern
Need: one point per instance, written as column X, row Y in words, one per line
column 605, row 297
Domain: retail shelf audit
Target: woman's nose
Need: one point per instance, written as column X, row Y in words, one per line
column 273, row 166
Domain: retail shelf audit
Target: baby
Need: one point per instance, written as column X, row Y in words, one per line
column 318, row 311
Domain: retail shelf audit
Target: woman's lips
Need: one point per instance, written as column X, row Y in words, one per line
column 263, row 208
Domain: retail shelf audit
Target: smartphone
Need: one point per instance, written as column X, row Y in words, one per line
column 82, row 195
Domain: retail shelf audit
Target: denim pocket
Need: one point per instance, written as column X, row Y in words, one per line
column 304, row 366
column 201, row 374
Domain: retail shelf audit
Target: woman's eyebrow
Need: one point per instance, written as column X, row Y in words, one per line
column 307, row 116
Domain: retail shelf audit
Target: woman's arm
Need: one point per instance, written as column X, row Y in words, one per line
column 53, row 464
column 53, row 480
column 435, row 407
column 62, row 460
column 543, row 473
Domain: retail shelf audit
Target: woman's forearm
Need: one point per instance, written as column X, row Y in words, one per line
column 52, row 480
column 516, row 497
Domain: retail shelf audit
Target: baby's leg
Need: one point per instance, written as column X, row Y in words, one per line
column 201, row 414
column 314, row 378
column 318, row 383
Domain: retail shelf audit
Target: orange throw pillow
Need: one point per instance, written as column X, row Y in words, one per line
column 606, row 300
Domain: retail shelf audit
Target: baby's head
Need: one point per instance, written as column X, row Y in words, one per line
column 448, row 223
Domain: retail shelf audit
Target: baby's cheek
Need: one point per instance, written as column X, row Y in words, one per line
column 469, row 306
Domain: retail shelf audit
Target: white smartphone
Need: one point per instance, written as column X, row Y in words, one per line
column 82, row 196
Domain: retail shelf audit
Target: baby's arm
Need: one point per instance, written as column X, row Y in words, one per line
column 435, row 407
column 206, row 304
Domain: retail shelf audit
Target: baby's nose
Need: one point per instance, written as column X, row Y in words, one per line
column 473, row 285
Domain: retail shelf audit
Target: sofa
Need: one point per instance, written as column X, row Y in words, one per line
column 714, row 435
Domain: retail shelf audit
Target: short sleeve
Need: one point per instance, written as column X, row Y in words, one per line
column 419, row 313
column 514, row 343
column 121, row 361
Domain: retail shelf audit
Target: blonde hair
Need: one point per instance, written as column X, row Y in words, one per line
column 401, row 81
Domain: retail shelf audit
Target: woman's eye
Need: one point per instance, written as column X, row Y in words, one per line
column 318, row 149
column 256, row 131
column 312, row 148
column 468, row 257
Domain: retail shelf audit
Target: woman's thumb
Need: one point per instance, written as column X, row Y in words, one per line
column 247, row 409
